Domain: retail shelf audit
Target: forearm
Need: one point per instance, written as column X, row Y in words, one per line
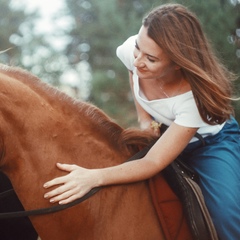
column 128, row 172
column 144, row 118
column 163, row 152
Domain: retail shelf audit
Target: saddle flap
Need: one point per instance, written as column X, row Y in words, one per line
column 169, row 209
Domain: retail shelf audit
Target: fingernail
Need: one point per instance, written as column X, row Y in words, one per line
column 52, row 200
column 45, row 185
column 45, row 196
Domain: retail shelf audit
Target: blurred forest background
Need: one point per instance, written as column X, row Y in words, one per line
column 79, row 54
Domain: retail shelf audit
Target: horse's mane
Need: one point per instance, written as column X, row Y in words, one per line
column 131, row 138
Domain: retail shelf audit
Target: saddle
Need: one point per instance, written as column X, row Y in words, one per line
column 180, row 205
column 178, row 200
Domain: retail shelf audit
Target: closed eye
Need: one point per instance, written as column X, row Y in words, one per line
column 150, row 58
column 136, row 45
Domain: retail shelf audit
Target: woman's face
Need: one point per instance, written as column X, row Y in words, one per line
column 150, row 60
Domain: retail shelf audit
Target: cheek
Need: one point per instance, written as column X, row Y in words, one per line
column 160, row 70
column 156, row 68
column 166, row 66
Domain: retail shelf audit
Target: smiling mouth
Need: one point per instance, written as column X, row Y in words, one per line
column 141, row 70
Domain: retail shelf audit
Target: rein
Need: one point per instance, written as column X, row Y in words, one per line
column 42, row 211
column 57, row 208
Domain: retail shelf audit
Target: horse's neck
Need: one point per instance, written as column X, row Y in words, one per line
column 32, row 154
column 36, row 134
column 118, row 212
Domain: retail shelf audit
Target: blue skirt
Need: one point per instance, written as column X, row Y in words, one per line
column 218, row 166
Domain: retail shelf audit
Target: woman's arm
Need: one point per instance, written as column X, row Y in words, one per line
column 145, row 119
column 80, row 180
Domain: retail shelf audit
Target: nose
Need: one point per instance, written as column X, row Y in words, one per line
column 138, row 61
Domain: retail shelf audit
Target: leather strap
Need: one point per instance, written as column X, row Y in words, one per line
column 42, row 211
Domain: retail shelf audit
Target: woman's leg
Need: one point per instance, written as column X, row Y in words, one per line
column 218, row 166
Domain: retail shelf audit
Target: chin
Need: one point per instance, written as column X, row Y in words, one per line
column 143, row 74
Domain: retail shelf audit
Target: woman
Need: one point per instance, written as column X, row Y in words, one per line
column 176, row 80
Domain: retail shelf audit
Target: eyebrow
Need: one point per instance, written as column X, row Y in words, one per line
column 137, row 46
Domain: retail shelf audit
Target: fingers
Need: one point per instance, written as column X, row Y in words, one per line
column 61, row 198
column 72, row 196
column 152, row 126
column 55, row 181
column 66, row 167
column 157, row 132
column 60, row 180
column 62, row 192
column 68, row 200
column 65, row 194
column 74, row 185
column 58, row 191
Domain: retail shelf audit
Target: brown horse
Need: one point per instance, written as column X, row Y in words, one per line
column 41, row 126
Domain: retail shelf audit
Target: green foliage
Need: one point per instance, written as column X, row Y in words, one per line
column 98, row 28
column 22, row 45
column 111, row 94
column 105, row 24
column 10, row 25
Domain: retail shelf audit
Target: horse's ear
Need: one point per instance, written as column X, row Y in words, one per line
column 134, row 139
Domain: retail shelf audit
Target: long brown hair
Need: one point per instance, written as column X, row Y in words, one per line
column 178, row 32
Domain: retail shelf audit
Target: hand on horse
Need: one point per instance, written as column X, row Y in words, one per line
column 74, row 185
column 151, row 126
